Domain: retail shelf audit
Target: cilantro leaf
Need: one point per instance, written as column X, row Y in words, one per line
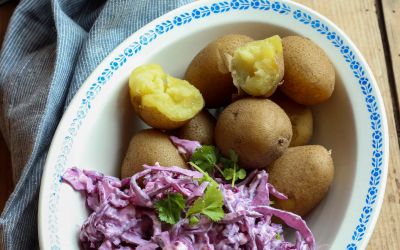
column 228, row 173
column 209, row 205
column 205, row 177
column 205, row 157
column 170, row 208
column 232, row 170
column 278, row 236
column 193, row 220
column 241, row 174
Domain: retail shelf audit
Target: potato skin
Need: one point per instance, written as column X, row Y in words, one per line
column 258, row 130
column 304, row 174
column 148, row 147
column 209, row 71
column 309, row 74
column 200, row 128
column 155, row 118
column 301, row 118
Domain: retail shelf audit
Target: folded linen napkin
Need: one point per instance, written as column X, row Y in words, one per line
column 50, row 48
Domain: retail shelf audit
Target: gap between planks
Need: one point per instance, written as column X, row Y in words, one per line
column 387, row 231
column 385, row 23
column 391, row 15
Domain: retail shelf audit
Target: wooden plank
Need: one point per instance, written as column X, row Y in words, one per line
column 360, row 20
column 391, row 11
column 387, row 232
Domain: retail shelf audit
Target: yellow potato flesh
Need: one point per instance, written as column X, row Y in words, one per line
column 256, row 66
column 177, row 99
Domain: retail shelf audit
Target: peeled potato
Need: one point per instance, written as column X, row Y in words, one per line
column 301, row 118
column 148, row 147
column 209, row 71
column 163, row 101
column 258, row 130
column 200, row 128
column 309, row 74
column 304, row 174
column 257, row 67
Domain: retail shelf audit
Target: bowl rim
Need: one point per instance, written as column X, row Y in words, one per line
column 280, row 5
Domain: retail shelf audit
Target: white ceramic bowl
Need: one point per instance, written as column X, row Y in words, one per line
column 95, row 129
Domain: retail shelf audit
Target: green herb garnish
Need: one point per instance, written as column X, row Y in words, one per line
column 209, row 205
column 206, row 177
column 193, row 220
column 205, row 157
column 170, row 208
column 232, row 170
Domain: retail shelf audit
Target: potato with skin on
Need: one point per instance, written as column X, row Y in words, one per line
column 257, row 67
column 258, row 130
column 162, row 101
column 309, row 74
column 301, row 118
column 304, row 174
column 209, row 72
column 148, row 147
column 200, row 128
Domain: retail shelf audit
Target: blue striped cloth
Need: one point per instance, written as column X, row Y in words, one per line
column 50, row 49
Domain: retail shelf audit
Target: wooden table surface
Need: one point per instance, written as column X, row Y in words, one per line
column 374, row 26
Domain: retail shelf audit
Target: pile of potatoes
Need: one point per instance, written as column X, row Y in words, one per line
column 265, row 89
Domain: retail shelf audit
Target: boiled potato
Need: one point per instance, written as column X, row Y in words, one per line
column 148, row 147
column 304, row 174
column 309, row 74
column 163, row 101
column 257, row 67
column 209, row 71
column 200, row 128
column 301, row 118
column 258, row 130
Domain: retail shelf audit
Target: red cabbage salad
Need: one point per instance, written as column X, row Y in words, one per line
column 213, row 206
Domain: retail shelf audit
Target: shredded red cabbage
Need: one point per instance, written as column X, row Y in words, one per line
column 185, row 147
column 123, row 216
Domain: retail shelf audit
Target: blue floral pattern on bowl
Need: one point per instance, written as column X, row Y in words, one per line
column 281, row 8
